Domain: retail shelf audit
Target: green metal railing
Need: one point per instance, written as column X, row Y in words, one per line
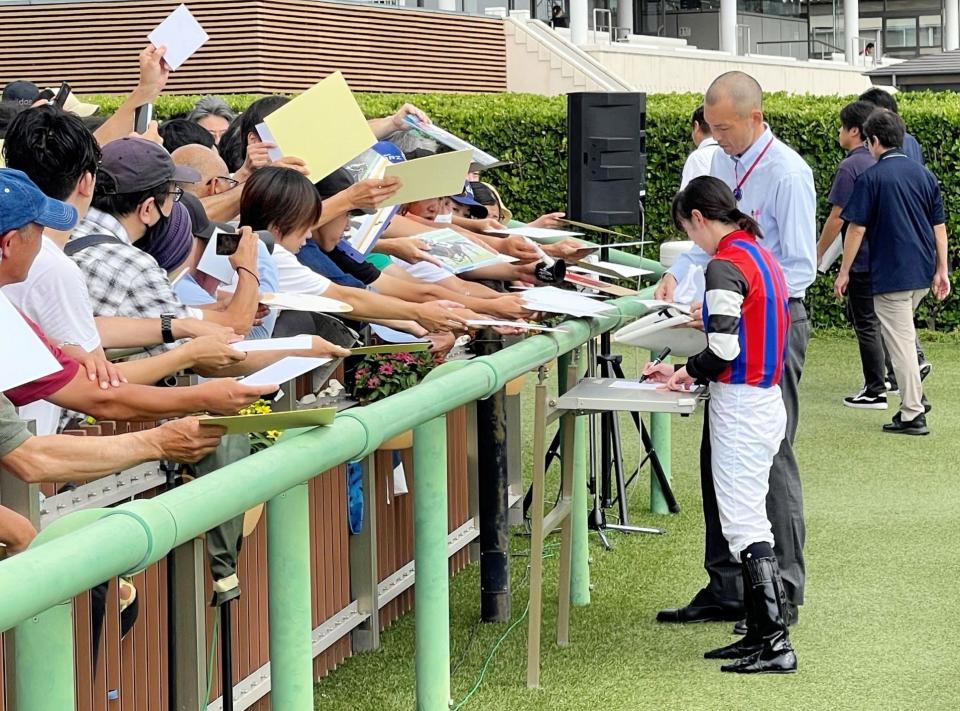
column 85, row 548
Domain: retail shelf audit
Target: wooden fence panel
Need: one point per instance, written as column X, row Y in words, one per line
column 257, row 46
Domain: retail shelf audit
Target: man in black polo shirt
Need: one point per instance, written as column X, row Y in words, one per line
column 897, row 204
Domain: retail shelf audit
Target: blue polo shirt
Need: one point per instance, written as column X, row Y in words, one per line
column 898, row 201
column 912, row 148
column 851, row 168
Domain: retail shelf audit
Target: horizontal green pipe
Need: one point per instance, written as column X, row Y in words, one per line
column 48, row 574
column 142, row 532
column 629, row 259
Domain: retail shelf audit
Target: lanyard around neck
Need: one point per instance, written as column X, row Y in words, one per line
column 738, row 191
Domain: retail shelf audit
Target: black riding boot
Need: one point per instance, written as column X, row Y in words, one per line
column 751, row 642
column 764, row 588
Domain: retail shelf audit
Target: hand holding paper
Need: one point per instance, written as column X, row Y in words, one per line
column 343, row 135
column 181, row 34
column 431, row 177
column 244, row 424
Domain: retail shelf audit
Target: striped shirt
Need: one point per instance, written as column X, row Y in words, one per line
column 746, row 316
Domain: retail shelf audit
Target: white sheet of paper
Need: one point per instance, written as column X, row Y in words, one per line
column 181, row 34
column 653, row 304
column 393, row 336
column 634, row 385
column 216, row 265
column 291, row 343
column 284, row 370
column 24, row 357
column 554, row 300
column 267, row 137
column 513, row 324
column 831, row 255
column 305, row 302
column 624, row 271
column 535, row 232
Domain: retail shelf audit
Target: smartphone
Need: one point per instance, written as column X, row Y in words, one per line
column 142, row 118
column 227, row 243
column 61, row 98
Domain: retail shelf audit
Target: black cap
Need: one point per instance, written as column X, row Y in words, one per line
column 136, row 164
column 22, row 92
column 202, row 227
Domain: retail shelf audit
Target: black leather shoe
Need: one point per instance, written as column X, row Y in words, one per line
column 917, row 426
column 703, row 608
column 792, row 614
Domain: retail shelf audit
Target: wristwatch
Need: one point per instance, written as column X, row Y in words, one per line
column 166, row 328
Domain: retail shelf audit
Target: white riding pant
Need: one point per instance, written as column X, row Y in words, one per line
column 747, row 425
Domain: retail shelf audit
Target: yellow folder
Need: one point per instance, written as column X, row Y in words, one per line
column 239, row 424
column 324, row 126
column 434, row 176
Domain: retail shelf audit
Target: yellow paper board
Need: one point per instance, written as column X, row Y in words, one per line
column 414, row 347
column 324, row 126
column 434, row 176
column 240, row 424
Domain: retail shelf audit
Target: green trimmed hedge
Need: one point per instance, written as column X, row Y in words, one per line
column 530, row 131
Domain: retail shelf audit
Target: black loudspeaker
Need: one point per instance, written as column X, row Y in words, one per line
column 606, row 157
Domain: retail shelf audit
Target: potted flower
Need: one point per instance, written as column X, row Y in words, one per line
column 258, row 441
column 381, row 375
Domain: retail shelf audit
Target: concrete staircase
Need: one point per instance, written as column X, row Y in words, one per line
column 540, row 61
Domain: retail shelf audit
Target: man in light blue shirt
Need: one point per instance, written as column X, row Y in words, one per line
column 774, row 185
column 192, row 294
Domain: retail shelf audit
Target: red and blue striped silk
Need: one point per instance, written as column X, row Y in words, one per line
column 765, row 313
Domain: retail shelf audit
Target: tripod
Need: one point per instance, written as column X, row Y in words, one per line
column 611, row 471
column 611, row 466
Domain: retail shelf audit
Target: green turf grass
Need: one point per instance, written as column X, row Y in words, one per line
column 881, row 622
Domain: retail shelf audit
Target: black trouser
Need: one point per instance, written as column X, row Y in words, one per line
column 784, row 499
column 873, row 357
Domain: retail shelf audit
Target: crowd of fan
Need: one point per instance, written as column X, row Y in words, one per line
column 101, row 233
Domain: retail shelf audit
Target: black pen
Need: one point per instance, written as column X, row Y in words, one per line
column 657, row 361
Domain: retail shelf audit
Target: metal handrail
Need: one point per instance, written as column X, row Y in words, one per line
column 860, row 46
column 809, row 42
column 82, row 549
column 597, row 12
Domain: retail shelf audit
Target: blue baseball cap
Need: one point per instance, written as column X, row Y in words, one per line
column 466, row 198
column 389, row 151
column 22, row 202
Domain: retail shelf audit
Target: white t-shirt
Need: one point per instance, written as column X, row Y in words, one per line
column 698, row 162
column 295, row 277
column 54, row 296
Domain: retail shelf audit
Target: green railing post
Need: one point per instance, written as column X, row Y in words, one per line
column 660, row 423
column 580, row 565
column 430, row 555
column 45, row 660
column 288, row 564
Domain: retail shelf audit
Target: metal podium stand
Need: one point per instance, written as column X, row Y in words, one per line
column 589, row 396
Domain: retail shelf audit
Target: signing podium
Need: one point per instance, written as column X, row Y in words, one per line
column 588, row 397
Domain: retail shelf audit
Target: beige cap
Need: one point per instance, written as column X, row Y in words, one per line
column 73, row 105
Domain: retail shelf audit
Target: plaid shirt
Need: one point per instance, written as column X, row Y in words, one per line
column 123, row 280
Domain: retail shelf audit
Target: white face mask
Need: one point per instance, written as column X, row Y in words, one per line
column 444, row 219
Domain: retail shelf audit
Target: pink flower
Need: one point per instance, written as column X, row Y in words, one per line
column 373, row 382
column 386, row 369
